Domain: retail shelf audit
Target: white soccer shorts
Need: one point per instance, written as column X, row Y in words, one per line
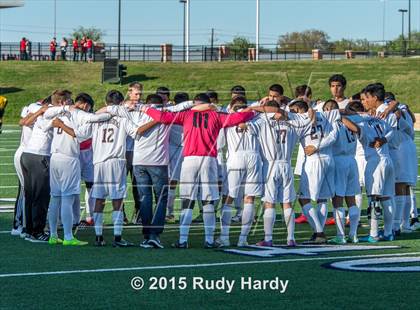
column 379, row 177
column 279, row 182
column 346, row 176
column 64, row 175
column 361, row 167
column 110, row 179
column 408, row 162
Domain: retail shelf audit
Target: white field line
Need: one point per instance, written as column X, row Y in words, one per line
column 144, row 268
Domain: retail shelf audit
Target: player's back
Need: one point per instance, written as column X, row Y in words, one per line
column 371, row 130
column 346, row 142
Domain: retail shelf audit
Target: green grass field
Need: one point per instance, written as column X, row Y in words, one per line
column 26, row 82
column 39, row 276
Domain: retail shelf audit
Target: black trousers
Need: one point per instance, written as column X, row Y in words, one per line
column 36, row 175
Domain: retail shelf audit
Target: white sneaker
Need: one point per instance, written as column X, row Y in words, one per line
column 222, row 243
column 242, row 244
column 17, row 231
column 415, row 226
column 237, row 218
column 406, row 231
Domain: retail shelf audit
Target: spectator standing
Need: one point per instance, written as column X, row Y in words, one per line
column 22, row 49
column 53, row 49
column 89, row 46
column 63, row 47
column 76, row 49
column 28, row 47
column 83, row 48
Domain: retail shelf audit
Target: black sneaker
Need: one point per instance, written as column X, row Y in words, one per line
column 208, row 245
column 177, row 245
column 99, row 241
column 38, row 238
column 320, row 238
column 413, row 221
column 145, row 244
column 311, row 240
column 155, row 242
column 121, row 243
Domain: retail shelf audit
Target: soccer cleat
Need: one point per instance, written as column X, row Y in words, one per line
column 145, row 244
column 291, row 243
column 155, row 242
column 74, row 242
column 38, row 238
column 208, row 245
column 330, row 221
column 99, row 241
column 369, row 239
column 16, row 231
column 320, row 238
column 352, row 239
column 178, row 245
column 415, row 226
column 236, row 219
column 121, row 243
column 170, row 219
column 198, row 219
column 265, row 243
column 301, row 219
column 222, row 243
column 337, row 240
column 388, row 238
column 242, row 244
column 406, row 231
column 311, row 240
column 54, row 240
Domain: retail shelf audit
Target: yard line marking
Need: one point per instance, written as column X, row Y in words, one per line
column 8, row 173
column 7, row 164
column 9, row 186
column 273, row 261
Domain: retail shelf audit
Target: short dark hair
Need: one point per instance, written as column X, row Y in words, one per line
column 85, row 98
column 330, row 104
column 154, row 99
column 303, row 90
column 212, row 94
column 181, row 97
column 272, row 103
column 202, row 97
column 356, row 97
column 300, row 104
column 338, row 78
column 114, row 97
column 375, row 90
column 60, row 95
column 355, row 106
column 47, row 100
column 238, row 90
column 238, row 100
column 162, row 90
column 389, row 96
column 277, row 88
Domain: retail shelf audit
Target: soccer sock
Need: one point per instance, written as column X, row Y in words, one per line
column 76, row 209
column 67, row 212
column 225, row 219
column 90, row 202
column 305, row 209
column 53, row 210
column 322, row 211
column 359, row 200
column 399, row 209
column 98, row 219
column 354, row 215
column 209, row 220
column 247, row 220
column 339, row 216
column 185, row 223
column 313, row 214
column 406, row 210
column 171, row 201
column 414, row 213
column 269, row 220
column 289, row 219
column 374, row 221
column 118, row 220
column 388, row 216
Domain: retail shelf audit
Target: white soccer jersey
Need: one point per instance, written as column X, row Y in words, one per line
column 278, row 138
column 394, row 138
column 109, row 138
column 346, row 142
column 371, row 129
column 27, row 130
column 40, row 141
column 323, row 132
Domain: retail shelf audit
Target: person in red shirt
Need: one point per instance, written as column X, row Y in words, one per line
column 22, row 49
column 53, row 49
column 76, row 49
column 199, row 168
column 83, row 48
column 89, row 47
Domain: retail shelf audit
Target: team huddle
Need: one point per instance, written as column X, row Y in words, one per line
column 224, row 158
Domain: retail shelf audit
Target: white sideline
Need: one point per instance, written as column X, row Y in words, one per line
column 25, row 274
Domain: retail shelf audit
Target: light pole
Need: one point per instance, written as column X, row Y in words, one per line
column 187, row 23
column 257, row 32
column 184, row 2
column 55, row 18
column 383, row 20
column 402, row 11
column 119, row 29
column 409, row 23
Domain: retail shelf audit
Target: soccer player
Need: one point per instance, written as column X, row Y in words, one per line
column 243, row 172
column 201, row 129
column 176, row 145
column 70, row 127
column 375, row 135
column 278, row 134
column 346, row 178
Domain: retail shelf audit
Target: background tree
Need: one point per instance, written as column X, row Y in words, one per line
column 239, row 47
column 304, row 41
column 95, row 34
